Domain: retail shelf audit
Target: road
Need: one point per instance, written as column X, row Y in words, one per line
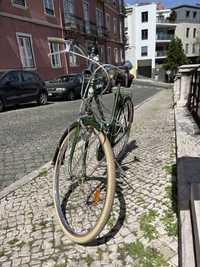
column 29, row 133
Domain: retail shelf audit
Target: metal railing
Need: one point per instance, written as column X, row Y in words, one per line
column 162, row 53
column 194, row 95
column 164, row 36
column 164, row 20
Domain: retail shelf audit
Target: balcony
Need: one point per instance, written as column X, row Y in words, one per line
column 164, row 37
column 161, row 21
column 161, row 54
column 73, row 23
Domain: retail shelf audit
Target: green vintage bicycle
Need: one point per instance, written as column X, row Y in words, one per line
column 84, row 178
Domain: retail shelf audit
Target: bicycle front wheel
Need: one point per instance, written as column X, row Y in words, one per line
column 123, row 127
column 83, row 187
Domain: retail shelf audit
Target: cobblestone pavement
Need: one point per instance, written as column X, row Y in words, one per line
column 142, row 229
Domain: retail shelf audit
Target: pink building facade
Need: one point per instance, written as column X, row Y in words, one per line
column 28, row 29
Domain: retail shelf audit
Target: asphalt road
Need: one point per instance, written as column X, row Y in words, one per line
column 29, row 133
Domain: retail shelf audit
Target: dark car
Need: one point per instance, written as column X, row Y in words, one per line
column 100, row 82
column 120, row 75
column 19, row 86
column 65, row 87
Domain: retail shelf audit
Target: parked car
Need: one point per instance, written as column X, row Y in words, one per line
column 65, row 87
column 100, row 83
column 20, row 86
column 120, row 75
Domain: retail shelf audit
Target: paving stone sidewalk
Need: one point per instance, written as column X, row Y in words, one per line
column 142, row 230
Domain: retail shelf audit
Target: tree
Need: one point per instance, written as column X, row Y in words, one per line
column 172, row 17
column 175, row 56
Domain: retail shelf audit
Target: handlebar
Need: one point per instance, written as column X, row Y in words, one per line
column 70, row 46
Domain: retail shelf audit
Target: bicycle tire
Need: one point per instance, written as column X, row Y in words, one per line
column 120, row 143
column 98, row 225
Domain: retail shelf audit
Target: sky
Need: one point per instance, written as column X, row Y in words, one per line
column 166, row 3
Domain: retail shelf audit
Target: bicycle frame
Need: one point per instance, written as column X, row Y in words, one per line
column 87, row 115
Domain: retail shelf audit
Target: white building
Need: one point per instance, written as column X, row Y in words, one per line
column 149, row 33
column 188, row 29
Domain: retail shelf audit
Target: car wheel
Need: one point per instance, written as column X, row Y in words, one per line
column 42, row 100
column 1, row 105
column 71, row 96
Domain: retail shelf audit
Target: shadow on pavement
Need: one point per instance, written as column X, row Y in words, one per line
column 119, row 222
column 25, row 106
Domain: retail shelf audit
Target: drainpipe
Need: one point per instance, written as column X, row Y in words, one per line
column 63, row 35
column 105, row 40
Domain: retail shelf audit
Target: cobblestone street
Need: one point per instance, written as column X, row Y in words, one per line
column 142, row 230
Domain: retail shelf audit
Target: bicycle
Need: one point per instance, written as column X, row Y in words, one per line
column 84, row 162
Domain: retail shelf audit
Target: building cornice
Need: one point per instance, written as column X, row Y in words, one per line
column 187, row 6
column 117, row 12
column 29, row 20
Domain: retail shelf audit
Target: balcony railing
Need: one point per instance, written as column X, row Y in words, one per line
column 164, row 20
column 162, row 53
column 164, row 36
column 74, row 23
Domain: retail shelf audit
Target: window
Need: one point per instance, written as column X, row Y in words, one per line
column 108, row 21
column 73, row 60
column 187, row 32
column 121, row 55
column 29, row 77
column 13, row 76
column 194, row 32
column 86, row 15
column 26, row 51
column 144, row 34
column 21, row 3
column 114, row 25
column 187, row 13
column 186, row 48
column 116, row 55
column 194, row 48
column 49, row 7
column 55, row 59
column 121, row 31
column 109, row 54
column 68, row 8
column 194, row 14
column 86, row 10
column 144, row 51
column 99, row 17
column 144, row 16
column 101, row 54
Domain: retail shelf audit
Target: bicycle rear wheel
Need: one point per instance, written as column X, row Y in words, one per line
column 122, row 128
column 83, row 187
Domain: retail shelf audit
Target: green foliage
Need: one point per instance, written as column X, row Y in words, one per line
column 2, row 253
column 89, row 260
column 172, row 16
column 43, row 173
column 175, row 56
column 147, row 226
column 145, row 256
column 170, row 169
column 170, row 223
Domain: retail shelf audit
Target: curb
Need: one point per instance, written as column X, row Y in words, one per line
column 27, row 178
column 47, row 166
column 153, row 83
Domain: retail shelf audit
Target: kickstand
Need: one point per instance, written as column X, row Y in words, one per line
column 120, row 171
